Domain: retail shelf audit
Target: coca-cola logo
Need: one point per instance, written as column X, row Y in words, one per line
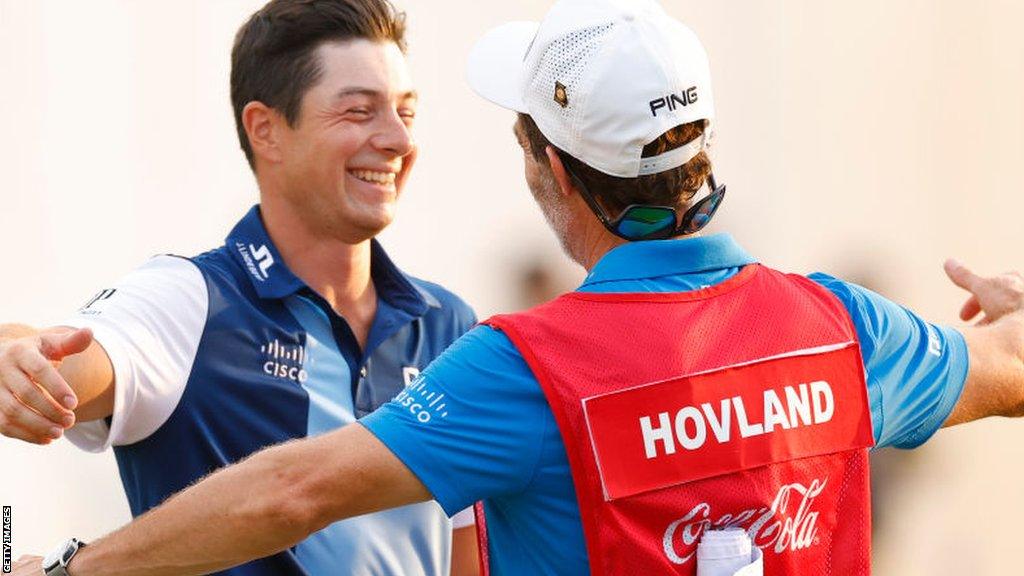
column 788, row 524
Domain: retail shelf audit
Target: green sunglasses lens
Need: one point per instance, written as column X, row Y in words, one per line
column 641, row 222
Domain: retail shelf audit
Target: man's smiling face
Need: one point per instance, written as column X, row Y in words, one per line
column 349, row 153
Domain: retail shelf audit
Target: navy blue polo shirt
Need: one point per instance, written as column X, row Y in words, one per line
column 272, row 362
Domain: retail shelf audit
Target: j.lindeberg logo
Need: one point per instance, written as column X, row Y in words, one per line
column 285, row 361
column 257, row 260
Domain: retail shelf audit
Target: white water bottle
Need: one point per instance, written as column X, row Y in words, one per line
column 728, row 552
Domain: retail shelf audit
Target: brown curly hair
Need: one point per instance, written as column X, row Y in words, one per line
column 674, row 188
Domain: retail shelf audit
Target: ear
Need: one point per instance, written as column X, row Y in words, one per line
column 558, row 170
column 261, row 126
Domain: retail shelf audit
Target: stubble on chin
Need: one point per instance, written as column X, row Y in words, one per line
column 333, row 218
column 354, row 229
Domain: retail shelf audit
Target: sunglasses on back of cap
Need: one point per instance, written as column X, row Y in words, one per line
column 646, row 222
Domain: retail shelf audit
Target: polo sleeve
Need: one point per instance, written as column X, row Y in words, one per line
column 471, row 425
column 915, row 369
column 149, row 324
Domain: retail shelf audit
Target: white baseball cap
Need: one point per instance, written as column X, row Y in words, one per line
column 601, row 78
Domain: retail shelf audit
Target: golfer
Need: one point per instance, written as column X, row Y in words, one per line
column 683, row 388
column 297, row 325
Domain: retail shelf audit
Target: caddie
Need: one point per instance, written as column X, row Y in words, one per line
column 298, row 324
column 683, row 387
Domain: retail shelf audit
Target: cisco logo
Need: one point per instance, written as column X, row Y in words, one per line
column 285, row 361
column 422, row 402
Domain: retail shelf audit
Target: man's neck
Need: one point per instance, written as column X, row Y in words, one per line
column 336, row 270
column 594, row 242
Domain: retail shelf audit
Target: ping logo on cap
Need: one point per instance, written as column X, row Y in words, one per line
column 561, row 96
column 673, row 101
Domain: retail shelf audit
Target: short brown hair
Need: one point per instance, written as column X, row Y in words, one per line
column 274, row 57
column 673, row 188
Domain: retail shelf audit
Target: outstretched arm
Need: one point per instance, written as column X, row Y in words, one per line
column 995, row 344
column 258, row 507
column 48, row 379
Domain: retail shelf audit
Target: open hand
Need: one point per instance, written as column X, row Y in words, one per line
column 995, row 296
column 36, row 402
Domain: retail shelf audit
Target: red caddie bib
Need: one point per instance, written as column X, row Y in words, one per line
column 740, row 405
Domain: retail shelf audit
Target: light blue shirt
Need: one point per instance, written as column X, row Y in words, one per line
column 495, row 439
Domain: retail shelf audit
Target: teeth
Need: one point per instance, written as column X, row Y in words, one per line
column 374, row 177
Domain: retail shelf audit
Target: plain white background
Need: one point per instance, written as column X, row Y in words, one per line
column 869, row 139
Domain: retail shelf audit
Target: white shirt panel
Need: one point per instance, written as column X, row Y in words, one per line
column 465, row 518
column 150, row 324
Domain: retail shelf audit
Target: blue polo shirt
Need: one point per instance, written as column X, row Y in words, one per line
column 496, row 439
column 226, row 353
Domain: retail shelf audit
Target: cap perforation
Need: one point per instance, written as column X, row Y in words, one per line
column 565, row 62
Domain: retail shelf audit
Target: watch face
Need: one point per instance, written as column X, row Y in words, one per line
column 69, row 550
column 61, row 555
column 52, row 559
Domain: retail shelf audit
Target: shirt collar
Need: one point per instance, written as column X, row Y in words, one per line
column 252, row 247
column 394, row 286
column 654, row 258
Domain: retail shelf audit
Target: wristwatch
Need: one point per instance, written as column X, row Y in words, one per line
column 56, row 562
